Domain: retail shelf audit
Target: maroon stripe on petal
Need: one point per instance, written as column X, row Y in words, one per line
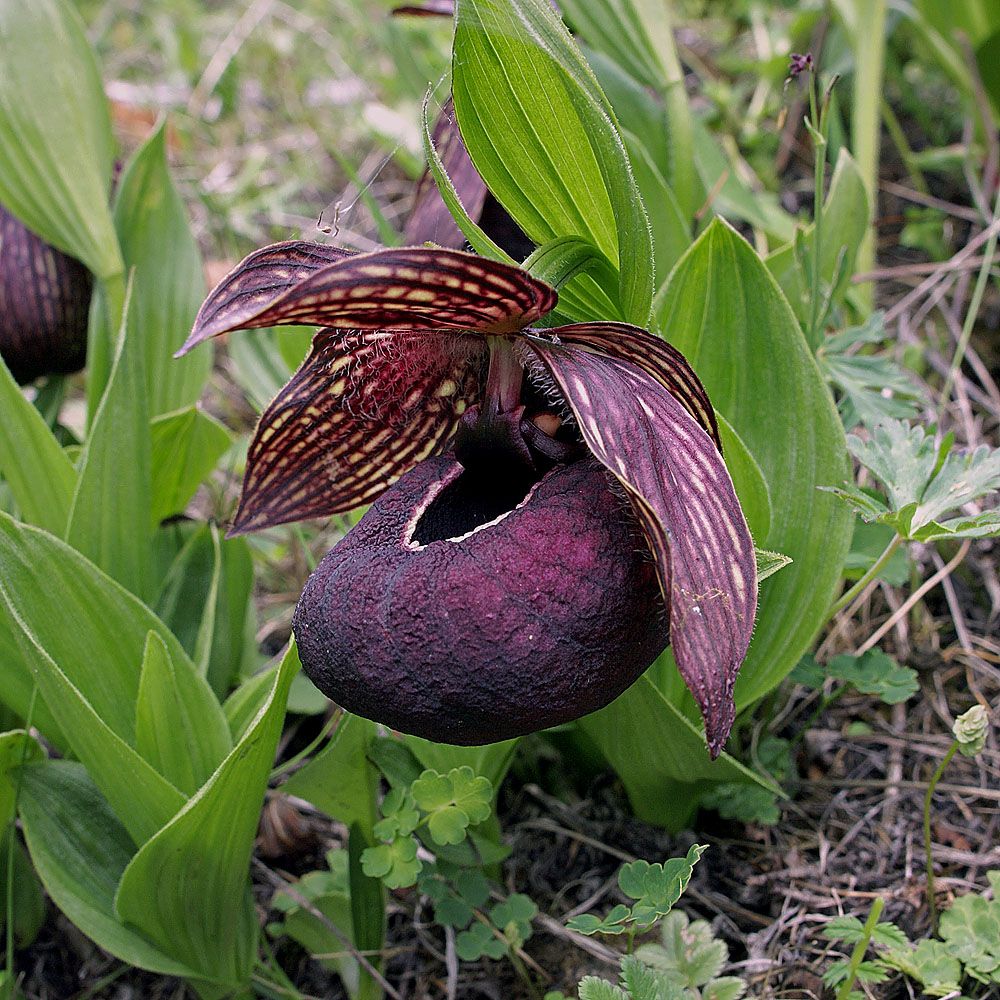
column 364, row 408
column 255, row 283
column 685, row 501
column 410, row 288
column 653, row 355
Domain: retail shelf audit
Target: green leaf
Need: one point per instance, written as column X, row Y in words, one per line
column 930, row 963
column 93, row 628
column 141, row 797
column 187, row 889
column 541, row 133
column 970, row 929
column 395, row 863
column 80, row 850
column 27, row 901
column 592, row 988
column 478, row 942
column 401, row 815
column 748, row 479
column 185, row 447
column 722, row 309
column 768, row 563
column 40, row 476
column 654, row 748
column 657, row 887
column 872, row 387
column 877, row 674
column 168, row 286
column 868, row 543
column 845, row 221
column 179, row 727
column 491, row 761
column 687, row 949
column 340, row 779
column 16, row 748
column 614, row 922
column 452, row 802
column 751, row 803
column 215, row 576
column 112, row 526
column 56, row 146
column 923, row 479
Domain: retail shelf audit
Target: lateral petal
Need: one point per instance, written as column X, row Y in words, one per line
column 364, row 408
column 653, row 355
column 684, row 499
column 406, row 288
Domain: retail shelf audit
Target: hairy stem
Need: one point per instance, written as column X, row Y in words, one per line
column 931, row 902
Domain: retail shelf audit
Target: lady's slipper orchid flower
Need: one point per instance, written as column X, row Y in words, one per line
column 503, row 583
column 44, row 301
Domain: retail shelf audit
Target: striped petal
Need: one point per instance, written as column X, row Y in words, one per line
column 409, row 288
column 685, row 501
column 653, row 355
column 364, row 408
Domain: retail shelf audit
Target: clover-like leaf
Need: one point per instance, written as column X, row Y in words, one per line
column 453, row 802
column 396, row 863
column 477, row 941
column 616, row 922
column 513, row 918
column 400, row 816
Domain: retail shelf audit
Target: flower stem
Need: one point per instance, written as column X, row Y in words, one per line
column 503, row 383
column 857, row 956
column 945, row 761
column 869, row 62
column 819, row 172
column 871, row 573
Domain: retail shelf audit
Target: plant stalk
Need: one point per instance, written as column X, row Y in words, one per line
column 931, row 903
column 818, row 133
column 869, row 65
column 870, row 574
column 857, row 956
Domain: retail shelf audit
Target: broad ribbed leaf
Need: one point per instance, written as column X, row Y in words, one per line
column 40, row 476
column 56, row 145
column 141, row 797
column 188, row 888
column 185, row 447
column 654, row 747
column 363, row 409
column 179, row 726
column 654, row 356
column 410, row 288
column 80, row 850
column 685, row 501
column 544, row 138
column 90, row 625
column 168, row 285
column 724, row 311
column 340, row 779
column 111, row 519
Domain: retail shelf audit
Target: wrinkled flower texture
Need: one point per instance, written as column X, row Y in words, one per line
column 44, row 302
column 520, row 479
